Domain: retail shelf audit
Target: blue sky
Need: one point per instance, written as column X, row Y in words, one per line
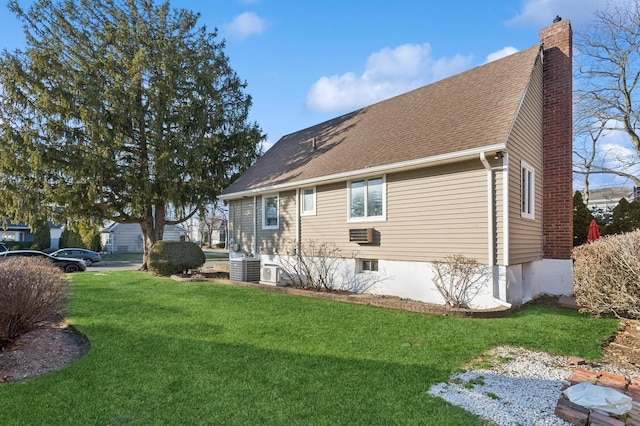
column 306, row 62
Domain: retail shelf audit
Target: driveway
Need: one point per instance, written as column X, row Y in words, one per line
column 132, row 266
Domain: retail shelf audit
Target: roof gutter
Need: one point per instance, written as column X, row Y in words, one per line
column 369, row 171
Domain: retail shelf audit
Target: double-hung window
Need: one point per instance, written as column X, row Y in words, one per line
column 308, row 202
column 528, row 190
column 270, row 212
column 366, row 199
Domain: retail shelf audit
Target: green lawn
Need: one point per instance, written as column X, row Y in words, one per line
column 165, row 352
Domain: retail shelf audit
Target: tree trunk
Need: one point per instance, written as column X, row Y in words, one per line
column 152, row 230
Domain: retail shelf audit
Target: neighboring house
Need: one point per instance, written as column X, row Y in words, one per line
column 478, row 164
column 20, row 232
column 602, row 201
column 16, row 232
column 127, row 237
column 210, row 230
column 213, row 231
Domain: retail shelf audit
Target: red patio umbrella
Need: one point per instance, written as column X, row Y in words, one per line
column 594, row 231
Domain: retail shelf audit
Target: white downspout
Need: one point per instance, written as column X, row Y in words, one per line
column 491, row 251
column 227, row 242
column 505, row 207
column 255, row 226
column 491, row 233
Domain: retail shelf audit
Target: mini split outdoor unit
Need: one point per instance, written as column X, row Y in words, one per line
column 270, row 274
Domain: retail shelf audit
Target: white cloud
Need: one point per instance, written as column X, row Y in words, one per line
column 612, row 151
column 245, row 24
column 388, row 72
column 540, row 13
column 445, row 67
column 509, row 50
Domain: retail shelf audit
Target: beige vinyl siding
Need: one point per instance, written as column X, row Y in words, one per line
column 430, row 213
column 435, row 212
column 525, row 143
column 272, row 241
column 329, row 224
column 241, row 226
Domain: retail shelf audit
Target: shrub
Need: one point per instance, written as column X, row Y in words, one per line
column 70, row 238
column 321, row 266
column 606, row 275
column 312, row 265
column 96, row 243
column 626, row 218
column 32, row 293
column 42, row 236
column 459, row 279
column 174, row 257
column 581, row 219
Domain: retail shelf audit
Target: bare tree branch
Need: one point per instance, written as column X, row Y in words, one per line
column 607, row 99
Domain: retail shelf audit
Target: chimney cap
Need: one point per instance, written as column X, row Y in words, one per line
column 557, row 19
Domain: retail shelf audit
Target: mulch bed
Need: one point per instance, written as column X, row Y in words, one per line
column 383, row 301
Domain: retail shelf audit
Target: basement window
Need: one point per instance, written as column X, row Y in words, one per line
column 368, row 265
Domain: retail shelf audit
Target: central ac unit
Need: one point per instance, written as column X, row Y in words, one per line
column 270, row 274
column 244, row 269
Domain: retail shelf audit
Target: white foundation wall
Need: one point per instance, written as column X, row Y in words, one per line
column 408, row 280
column 528, row 281
column 554, row 276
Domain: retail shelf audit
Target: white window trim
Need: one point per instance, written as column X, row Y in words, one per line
column 264, row 212
column 528, row 190
column 315, row 200
column 381, row 218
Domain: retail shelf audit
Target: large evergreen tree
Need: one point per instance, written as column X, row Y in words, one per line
column 41, row 235
column 626, row 217
column 119, row 109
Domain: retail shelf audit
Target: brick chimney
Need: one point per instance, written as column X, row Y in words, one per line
column 557, row 123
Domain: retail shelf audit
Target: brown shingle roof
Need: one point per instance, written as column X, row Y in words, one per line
column 470, row 110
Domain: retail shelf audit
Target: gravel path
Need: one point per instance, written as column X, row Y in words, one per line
column 514, row 386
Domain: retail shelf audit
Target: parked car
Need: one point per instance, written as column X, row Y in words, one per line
column 89, row 257
column 3, row 247
column 67, row 264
